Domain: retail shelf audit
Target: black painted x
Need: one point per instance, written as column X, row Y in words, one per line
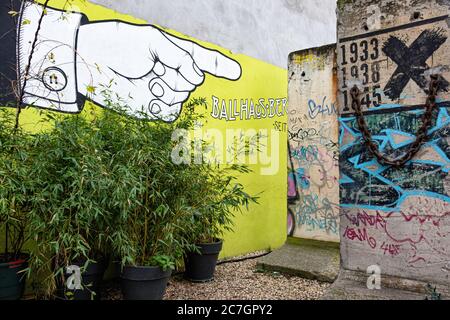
column 412, row 61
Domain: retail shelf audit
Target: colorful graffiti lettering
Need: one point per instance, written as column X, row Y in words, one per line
column 317, row 214
column 306, row 153
column 313, row 144
column 419, row 236
column 402, row 213
column 322, row 109
column 360, row 234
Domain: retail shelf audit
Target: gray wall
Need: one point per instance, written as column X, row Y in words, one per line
column 265, row 29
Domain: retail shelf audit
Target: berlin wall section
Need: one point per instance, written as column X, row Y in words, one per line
column 313, row 176
column 395, row 218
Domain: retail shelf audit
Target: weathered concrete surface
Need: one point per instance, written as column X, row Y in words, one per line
column 352, row 285
column 381, row 42
column 395, row 218
column 313, row 145
column 264, row 29
column 309, row 259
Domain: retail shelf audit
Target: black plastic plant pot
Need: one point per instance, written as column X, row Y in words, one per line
column 144, row 283
column 200, row 267
column 12, row 279
column 91, row 280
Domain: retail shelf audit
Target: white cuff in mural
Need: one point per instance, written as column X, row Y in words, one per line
column 51, row 82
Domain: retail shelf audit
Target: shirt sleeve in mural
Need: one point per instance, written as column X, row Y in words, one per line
column 51, row 81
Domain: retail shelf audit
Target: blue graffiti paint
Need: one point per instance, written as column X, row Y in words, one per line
column 367, row 184
column 314, row 213
column 322, row 109
column 306, row 153
column 302, row 179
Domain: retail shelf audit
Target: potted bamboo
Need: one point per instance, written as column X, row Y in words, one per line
column 70, row 221
column 149, row 233
column 17, row 186
column 215, row 201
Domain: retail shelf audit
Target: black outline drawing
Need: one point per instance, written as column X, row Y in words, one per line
column 156, row 73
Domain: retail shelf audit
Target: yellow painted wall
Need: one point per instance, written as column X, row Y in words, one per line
column 264, row 226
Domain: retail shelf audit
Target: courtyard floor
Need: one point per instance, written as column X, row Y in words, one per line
column 238, row 281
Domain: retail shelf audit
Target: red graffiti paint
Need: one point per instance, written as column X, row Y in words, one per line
column 390, row 249
column 362, row 218
column 414, row 235
column 361, row 235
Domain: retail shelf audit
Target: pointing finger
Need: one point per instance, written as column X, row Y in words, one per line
column 172, row 78
column 176, row 58
column 208, row 60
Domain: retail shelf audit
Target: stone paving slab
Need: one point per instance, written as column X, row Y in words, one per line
column 352, row 285
column 309, row 259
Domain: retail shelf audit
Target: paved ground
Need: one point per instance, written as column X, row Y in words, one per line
column 240, row 281
column 310, row 259
column 352, row 285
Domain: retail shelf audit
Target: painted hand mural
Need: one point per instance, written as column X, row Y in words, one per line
column 147, row 70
